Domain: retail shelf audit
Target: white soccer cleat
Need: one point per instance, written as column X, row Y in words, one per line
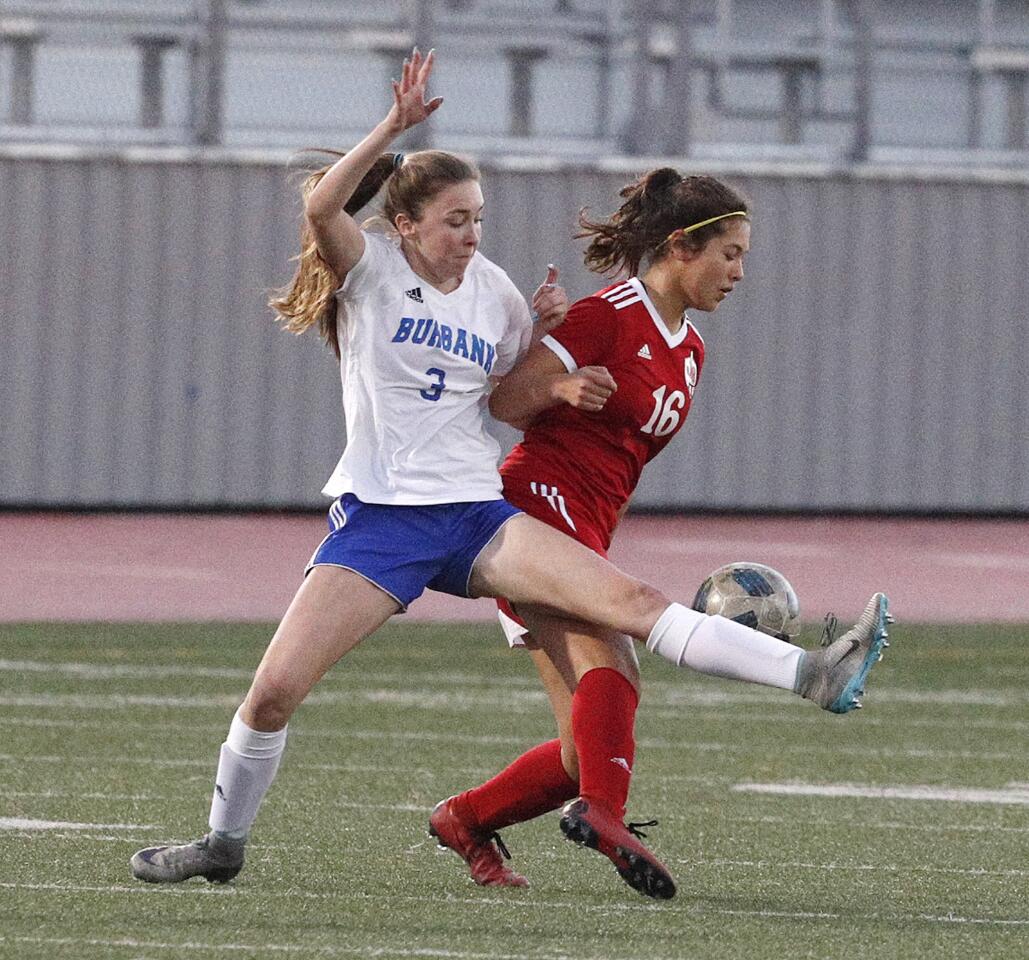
column 834, row 677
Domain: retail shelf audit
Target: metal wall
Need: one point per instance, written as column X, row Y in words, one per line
column 873, row 359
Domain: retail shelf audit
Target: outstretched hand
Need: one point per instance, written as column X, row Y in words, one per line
column 409, row 104
column 549, row 304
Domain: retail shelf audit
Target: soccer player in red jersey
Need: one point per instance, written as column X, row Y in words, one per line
column 598, row 398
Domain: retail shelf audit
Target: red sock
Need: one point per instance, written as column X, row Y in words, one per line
column 603, row 717
column 535, row 783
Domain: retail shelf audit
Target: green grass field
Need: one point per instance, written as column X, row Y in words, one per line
column 110, row 739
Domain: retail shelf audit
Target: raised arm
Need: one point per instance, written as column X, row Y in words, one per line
column 540, row 381
column 337, row 234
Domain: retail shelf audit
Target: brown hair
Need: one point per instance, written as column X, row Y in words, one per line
column 411, row 182
column 656, row 205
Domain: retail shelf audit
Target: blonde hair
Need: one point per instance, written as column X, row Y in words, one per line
column 411, row 182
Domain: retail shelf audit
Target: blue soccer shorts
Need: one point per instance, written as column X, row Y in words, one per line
column 404, row 549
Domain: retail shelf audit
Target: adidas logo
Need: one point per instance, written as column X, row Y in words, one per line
column 644, row 352
column 415, row 293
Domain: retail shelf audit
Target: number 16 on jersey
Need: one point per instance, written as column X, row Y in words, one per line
column 665, row 417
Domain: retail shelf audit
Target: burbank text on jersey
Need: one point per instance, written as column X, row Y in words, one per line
column 439, row 336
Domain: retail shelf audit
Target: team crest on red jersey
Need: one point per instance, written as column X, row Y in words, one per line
column 691, row 373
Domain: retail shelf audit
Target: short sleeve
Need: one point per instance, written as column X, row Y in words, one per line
column 377, row 263
column 514, row 343
column 586, row 336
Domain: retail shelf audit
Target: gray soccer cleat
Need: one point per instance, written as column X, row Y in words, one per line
column 834, row 677
column 214, row 858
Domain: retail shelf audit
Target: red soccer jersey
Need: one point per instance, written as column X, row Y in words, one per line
column 595, row 459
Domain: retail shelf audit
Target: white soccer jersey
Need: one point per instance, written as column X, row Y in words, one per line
column 415, row 365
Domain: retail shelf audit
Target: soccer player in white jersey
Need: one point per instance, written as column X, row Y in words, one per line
column 421, row 322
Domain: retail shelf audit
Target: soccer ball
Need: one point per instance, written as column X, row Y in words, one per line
column 752, row 594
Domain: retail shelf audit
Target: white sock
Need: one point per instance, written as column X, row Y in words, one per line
column 723, row 648
column 246, row 768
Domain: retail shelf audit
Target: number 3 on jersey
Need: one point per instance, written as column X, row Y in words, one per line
column 434, row 391
column 665, row 417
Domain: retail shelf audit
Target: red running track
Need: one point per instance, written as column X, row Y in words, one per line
column 124, row 567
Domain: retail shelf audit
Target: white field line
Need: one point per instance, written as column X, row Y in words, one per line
column 645, row 743
column 500, row 698
column 63, row 794
column 897, row 695
column 893, row 825
column 24, row 823
column 806, row 715
column 115, row 701
column 409, row 773
column 660, row 693
column 517, row 903
column 212, row 762
column 859, row 868
column 1016, row 796
column 302, row 949
column 422, row 810
column 267, row 851
column 139, row 840
column 96, row 671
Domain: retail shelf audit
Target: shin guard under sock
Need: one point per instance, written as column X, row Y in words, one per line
column 724, row 648
column 603, row 722
column 246, row 768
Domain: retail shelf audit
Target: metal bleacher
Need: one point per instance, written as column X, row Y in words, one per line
column 836, row 80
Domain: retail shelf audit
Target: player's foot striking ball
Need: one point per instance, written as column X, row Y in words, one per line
column 484, row 853
column 212, row 857
column 592, row 826
column 834, row 677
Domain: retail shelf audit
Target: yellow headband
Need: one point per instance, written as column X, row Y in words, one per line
column 704, row 223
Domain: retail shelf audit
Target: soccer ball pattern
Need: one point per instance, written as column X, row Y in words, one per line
column 752, row 594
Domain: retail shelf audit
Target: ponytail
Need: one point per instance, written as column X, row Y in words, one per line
column 309, row 298
column 657, row 205
column 411, row 181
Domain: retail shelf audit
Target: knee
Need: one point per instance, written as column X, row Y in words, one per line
column 642, row 604
column 267, row 707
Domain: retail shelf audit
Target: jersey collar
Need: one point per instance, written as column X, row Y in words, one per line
column 672, row 339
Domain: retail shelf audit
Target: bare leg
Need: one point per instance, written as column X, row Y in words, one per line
column 531, row 563
column 332, row 612
column 560, row 697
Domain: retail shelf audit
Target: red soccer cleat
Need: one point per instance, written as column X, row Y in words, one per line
column 593, row 826
column 482, row 852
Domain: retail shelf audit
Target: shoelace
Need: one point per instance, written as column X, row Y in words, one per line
column 495, row 837
column 634, row 828
column 829, row 626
